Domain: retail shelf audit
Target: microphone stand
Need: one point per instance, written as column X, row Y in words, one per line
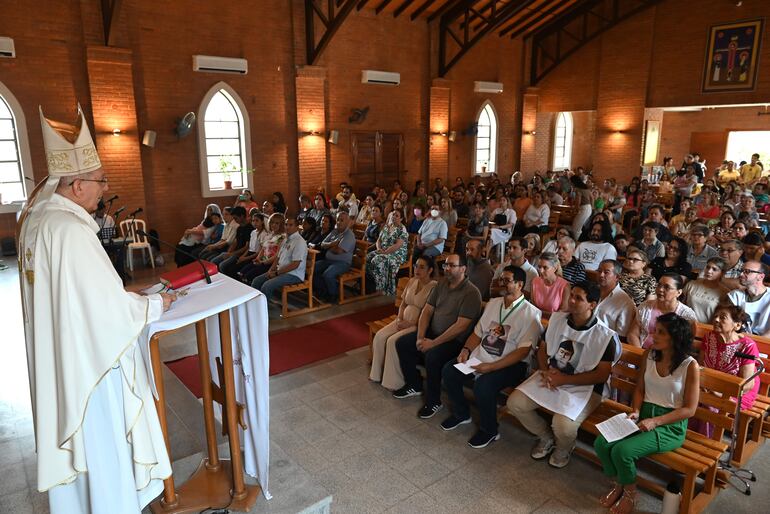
column 743, row 475
column 206, row 274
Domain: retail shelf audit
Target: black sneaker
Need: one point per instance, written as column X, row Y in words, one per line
column 406, row 392
column 428, row 410
column 453, row 422
column 481, row 439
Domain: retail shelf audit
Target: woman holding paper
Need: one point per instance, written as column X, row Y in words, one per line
column 665, row 397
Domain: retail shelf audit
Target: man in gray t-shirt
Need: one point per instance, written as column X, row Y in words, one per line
column 340, row 245
column 453, row 307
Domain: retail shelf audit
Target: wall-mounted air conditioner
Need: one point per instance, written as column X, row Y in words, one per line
column 487, row 87
column 6, row 47
column 213, row 64
column 380, row 77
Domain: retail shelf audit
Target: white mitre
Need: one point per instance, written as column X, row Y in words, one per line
column 65, row 158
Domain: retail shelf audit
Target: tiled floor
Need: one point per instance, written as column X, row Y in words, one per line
column 333, row 432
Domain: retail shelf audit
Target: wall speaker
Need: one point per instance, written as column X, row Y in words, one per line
column 149, row 138
column 334, row 136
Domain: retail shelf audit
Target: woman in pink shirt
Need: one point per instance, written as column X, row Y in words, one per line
column 719, row 346
column 550, row 292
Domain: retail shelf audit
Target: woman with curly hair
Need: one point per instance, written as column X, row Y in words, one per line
column 666, row 396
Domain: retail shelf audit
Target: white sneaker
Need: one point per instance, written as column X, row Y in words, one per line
column 542, row 449
column 560, row 458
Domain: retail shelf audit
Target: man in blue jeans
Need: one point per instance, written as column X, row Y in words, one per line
column 502, row 340
column 289, row 267
column 340, row 245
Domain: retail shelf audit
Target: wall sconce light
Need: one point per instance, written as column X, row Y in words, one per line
column 311, row 133
column 452, row 136
column 619, row 132
column 530, row 132
column 334, row 136
column 116, row 132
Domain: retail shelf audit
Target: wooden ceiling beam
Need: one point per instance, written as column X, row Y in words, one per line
column 382, row 5
column 110, row 13
column 417, row 12
column 403, row 7
column 444, row 8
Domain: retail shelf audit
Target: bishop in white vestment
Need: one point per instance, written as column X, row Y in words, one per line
column 100, row 448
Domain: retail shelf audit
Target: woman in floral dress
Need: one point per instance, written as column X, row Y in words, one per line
column 390, row 253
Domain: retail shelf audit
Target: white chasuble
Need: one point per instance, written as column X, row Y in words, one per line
column 81, row 328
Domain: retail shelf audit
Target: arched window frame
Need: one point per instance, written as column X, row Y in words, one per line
column 491, row 157
column 245, row 141
column 563, row 129
column 22, row 140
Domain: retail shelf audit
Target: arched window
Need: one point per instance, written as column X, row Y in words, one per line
column 15, row 161
column 486, row 140
column 562, row 141
column 224, row 142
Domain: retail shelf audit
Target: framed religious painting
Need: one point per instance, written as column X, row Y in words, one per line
column 732, row 56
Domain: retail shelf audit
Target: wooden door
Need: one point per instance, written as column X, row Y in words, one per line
column 376, row 159
column 712, row 146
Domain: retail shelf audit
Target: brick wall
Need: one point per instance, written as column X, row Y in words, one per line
column 493, row 59
column 678, row 127
column 112, row 101
column 615, row 75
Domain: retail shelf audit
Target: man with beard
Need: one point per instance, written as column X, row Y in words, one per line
column 598, row 248
column 479, row 271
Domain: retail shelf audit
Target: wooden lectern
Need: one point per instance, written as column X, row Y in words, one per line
column 217, row 483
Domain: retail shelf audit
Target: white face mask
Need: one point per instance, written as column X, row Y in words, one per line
column 434, row 213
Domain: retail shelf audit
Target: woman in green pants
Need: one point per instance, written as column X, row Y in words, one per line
column 665, row 397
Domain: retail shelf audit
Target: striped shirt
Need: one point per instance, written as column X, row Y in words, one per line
column 574, row 272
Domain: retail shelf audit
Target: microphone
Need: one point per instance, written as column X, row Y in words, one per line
column 136, row 212
column 200, row 261
column 117, row 213
column 115, row 197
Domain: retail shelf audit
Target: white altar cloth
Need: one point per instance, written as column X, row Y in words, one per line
column 251, row 355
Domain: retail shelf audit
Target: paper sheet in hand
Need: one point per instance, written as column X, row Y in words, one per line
column 617, row 427
column 467, row 366
column 567, row 400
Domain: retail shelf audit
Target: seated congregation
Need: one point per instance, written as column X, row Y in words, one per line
column 502, row 302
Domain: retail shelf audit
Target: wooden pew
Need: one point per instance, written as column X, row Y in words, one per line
column 376, row 325
column 312, row 304
column 753, row 425
column 698, row 458
column 356, row 273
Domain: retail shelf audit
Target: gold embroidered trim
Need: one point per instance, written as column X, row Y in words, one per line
column 59, row 161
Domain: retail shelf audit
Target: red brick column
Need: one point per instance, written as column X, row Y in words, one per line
column 113, row 106
column 311, row 116
column 529, row 106
column 438, row 151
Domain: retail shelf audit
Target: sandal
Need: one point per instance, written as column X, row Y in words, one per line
column 626, row 503
column 609, row 499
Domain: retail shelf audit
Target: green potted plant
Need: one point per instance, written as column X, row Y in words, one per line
column 227, row 167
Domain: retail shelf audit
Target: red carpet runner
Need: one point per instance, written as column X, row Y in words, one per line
column 294, row 348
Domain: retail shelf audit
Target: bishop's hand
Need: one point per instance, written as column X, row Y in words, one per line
column 168, row 299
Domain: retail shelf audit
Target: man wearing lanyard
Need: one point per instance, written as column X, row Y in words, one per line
column 501, row 341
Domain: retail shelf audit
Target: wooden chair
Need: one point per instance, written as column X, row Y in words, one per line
column 408, row 264
column 359, row 229
column 753, row 426
column 356, row 273
column 699, row 457
column 307, row 285
column 376, row 325
column 449, row 247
